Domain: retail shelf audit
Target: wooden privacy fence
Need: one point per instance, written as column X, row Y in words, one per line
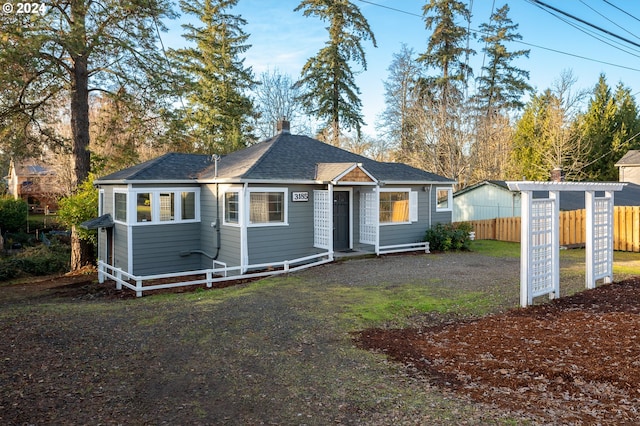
column 626, row 228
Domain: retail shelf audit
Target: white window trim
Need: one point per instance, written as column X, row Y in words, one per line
column 411, row 200
column 101, row 202
column 126, row 197
column 285, row 201
column 154, row 195
column 449, row 199
column 224, row 208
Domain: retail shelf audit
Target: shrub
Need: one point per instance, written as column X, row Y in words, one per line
column 445, row 237
column 13, row 214
column 39, row 260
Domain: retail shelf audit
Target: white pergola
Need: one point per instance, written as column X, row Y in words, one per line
column 540, row 243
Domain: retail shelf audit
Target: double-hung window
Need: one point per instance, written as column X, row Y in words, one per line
column 398, row 206
column 268, row 206
column 444, row 199
column 232, row 208
column 120, row 206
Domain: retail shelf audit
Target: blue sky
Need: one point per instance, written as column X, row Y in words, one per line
column 283, row 39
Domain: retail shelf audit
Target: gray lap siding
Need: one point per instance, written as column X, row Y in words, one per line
column 120, row 248
column 229, row 245
column 157, row 248
column 415, row 232
column 278, row 243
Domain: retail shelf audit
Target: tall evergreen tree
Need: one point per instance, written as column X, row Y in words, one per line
column 219, row 110
column 72, row 48
column 500, row 89
column 447, row 50
column 443, row 110
column 610, row 127
column 501, row 85
column 330, row 91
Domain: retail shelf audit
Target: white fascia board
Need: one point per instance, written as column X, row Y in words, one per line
column 144, row 182
column 564, row 186
column 416, row 182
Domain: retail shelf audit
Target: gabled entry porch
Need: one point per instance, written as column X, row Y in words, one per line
column 347, row 215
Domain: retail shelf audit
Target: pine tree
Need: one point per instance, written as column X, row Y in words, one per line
column 501, row 85
column 447, row 50
column 330, row 91
column 610, row 127
column 219, row 109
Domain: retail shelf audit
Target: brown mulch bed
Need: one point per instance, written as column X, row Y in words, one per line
column 574, row 360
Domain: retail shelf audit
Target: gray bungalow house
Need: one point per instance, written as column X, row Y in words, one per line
column 285, row 198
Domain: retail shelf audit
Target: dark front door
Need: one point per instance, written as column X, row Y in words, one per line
column 340, row 220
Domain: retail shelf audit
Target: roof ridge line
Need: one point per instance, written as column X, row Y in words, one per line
column 152, row 162
column 273, row 140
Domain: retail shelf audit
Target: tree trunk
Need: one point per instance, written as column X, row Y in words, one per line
column 80, row 249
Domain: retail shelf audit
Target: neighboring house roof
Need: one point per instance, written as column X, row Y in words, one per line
column 285, row 157
column 497, row 183
column 631, row 158
column 570, row 200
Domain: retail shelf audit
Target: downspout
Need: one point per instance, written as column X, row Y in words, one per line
column 428, row 188
column 215, row 257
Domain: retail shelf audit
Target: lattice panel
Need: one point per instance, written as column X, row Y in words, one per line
column 541, row 252
column 602, row 237
column 322, row 218
column 368, row 217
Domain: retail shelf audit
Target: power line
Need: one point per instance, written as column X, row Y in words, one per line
column 525, row 43
column 610, row 20
column 621, row 10
column 391, row 8
column 587, row 31
column 544, row 5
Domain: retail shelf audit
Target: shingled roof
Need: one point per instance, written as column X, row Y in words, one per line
column 168, row 167
column 284, row 157
column 631, row 158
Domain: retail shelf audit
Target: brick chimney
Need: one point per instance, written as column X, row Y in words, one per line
column 557, row 175
column 282, row 126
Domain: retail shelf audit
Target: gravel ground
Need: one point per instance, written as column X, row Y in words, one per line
column 276, row 351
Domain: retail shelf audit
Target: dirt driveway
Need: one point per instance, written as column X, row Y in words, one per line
column 277, row 351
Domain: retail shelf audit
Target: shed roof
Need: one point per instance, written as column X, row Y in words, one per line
column 631, row 158
column 284, row 157
column 629, row 195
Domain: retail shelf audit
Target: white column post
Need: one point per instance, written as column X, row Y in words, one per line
column 555, row 244
column 609, row 278
column 525, row 246
column 589, row 243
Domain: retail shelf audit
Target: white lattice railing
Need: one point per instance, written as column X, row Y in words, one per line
column 213, row 275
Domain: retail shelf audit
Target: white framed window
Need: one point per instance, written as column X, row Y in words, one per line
column 397, row 206
column 188, row 205
column 154, row 206
column 101, row 202
column 231, row 208
column 268, row 206
column 167, row 206
column 120, row 206
column 143, row 207
column 444, row 199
